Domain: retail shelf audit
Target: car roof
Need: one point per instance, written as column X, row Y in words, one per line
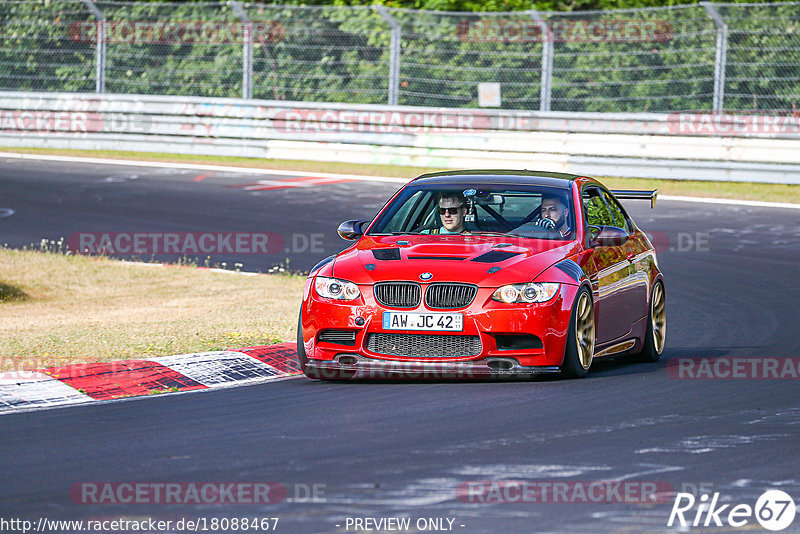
column 498, row 176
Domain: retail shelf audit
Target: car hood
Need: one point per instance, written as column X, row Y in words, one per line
column 482, row 260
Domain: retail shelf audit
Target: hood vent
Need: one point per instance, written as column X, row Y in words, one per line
column 386, row 253
column 452, row 258
column 495, row 256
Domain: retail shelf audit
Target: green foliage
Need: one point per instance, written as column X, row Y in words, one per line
column 333, row 53
column 36, row 52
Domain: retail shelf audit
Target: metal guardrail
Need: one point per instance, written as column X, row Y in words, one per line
column 675, row 146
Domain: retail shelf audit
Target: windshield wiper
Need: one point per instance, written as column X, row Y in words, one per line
column 510, row 234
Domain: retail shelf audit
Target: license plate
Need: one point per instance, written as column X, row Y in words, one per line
column 423, row 321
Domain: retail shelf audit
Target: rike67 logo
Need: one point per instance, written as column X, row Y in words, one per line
column 774, row 510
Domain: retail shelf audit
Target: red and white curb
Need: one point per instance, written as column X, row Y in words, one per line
column 75, row 384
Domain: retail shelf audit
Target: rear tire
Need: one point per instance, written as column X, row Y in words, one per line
column 656, row 332
column 580, row 338
column 317, row 374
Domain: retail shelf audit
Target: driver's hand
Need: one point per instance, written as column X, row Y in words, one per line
column 546, row 223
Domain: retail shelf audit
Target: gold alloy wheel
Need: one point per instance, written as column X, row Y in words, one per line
column 658, row 317
column 584, row 330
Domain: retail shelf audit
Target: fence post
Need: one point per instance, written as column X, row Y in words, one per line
column 394, row 53
column 100, row 55
column 721, row 55
column 547, row 61
column 247, row 52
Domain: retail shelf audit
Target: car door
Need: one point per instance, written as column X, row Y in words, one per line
column 613, row 316
column 634, row 296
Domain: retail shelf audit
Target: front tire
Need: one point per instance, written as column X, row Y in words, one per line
column 301, row 348
column 579, row 351
column 656, row 332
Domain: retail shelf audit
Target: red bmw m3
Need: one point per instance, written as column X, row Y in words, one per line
column 485, row 274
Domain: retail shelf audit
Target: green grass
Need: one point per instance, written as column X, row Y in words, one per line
column 731, row 190
column 9, row 293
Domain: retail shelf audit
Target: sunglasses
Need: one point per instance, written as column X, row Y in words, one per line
column 451, row 211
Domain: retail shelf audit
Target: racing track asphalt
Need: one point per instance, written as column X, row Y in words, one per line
column 402, row 448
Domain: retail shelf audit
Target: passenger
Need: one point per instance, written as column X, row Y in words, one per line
column 553, row 215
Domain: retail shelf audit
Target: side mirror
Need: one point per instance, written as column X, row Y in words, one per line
column 606, row 236
column 351, row 230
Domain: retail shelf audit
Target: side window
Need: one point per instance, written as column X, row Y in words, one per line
column 617, row 212
column 595, row 208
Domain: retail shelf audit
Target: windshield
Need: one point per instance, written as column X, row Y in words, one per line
column 538, row 212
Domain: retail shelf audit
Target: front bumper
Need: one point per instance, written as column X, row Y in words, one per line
column 369, row 368
column 484, row 319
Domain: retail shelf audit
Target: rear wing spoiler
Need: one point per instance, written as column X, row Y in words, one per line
column 630, row 194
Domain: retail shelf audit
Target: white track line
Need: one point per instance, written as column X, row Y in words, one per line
column 732, row 202
column 199, row 167
column 354, row 177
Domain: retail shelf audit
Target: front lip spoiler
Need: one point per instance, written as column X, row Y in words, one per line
column 370, row 368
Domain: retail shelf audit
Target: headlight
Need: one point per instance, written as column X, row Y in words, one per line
column 533, row 292
column 333, row 288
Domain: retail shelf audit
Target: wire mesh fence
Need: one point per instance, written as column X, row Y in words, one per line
column 144, row 55
column 709, row 57
column 36, row 51
column 444, row 56
column 329, row 54
column 763, row 56
column 657, row 60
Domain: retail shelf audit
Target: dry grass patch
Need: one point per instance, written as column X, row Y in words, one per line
column 74, row 309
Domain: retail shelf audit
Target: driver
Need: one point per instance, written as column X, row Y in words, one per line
column 553, row 215
column 452, row 211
